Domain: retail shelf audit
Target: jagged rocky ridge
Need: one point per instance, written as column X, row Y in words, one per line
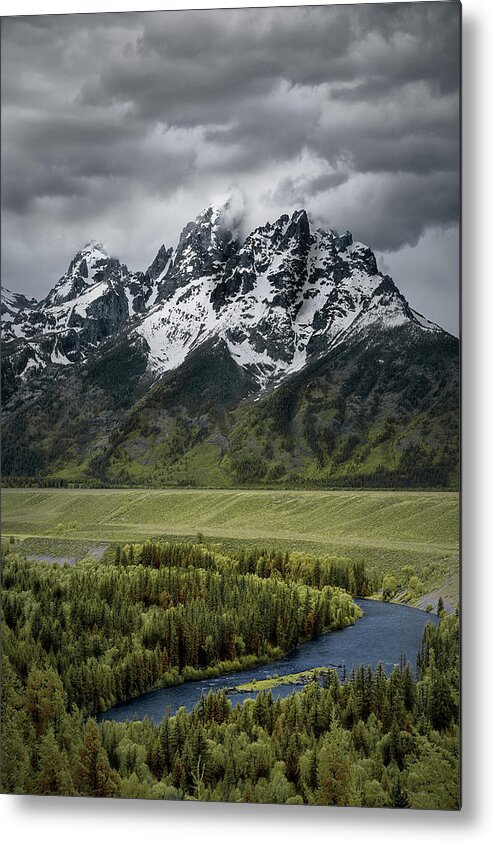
column 257, row 318
column 284, row 296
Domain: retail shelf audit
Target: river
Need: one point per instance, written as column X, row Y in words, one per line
column 384, row 633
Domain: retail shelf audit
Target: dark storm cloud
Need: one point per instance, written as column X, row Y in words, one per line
column 340, row 108
column 78, row 152
column 197, row 68
column 224, row 70
column 369, row 138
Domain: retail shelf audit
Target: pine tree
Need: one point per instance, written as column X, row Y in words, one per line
column 334, row 768
column 54, row 776
column 398, row 796
column 94, row 775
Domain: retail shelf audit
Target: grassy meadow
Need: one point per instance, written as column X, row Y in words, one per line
column 404, row 534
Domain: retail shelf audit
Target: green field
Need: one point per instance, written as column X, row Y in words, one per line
column 389, row 530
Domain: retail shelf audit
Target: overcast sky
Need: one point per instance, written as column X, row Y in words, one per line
column 122, row 127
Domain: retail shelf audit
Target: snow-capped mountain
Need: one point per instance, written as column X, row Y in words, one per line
column 94, row 299
column 284, row 296
column 282, row 358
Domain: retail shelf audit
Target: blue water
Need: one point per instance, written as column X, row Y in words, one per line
column 382, row 635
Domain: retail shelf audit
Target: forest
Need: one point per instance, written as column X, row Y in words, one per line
column 78, row 639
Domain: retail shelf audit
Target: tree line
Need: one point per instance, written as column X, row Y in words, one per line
column 316, row 572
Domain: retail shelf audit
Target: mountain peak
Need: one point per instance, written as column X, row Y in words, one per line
column 300, row 217
column 205, row 245
column 285, row 294
column 92, row 253
column 93, row 249
column 299, row 225
column 206, row 217
column 160, row 263
column 95, row 245
column 90, row 265
column 225, row 216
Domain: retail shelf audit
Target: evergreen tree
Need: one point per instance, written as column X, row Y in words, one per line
column 94, row 775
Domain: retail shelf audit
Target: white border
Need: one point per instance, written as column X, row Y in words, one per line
column 45, row 7
column 77, row 820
